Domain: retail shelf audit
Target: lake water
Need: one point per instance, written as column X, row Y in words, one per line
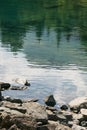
column 44, row 42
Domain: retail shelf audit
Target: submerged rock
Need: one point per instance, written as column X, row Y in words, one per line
column 50, row 101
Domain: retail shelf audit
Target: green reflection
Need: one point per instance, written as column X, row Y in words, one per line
column 62, row 16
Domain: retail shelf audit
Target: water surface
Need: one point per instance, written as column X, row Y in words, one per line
column 44, row 42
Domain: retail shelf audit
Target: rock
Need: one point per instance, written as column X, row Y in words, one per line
column 37, row 111
column 6, row 111
column 71, row 123
column 39, row 123
column 53, row 126
column 30, row 100
column 78, row 103
column 76, row 122
column 78, row 117
column 62, row 119
column 13, row 100
column 4, row 86
column 62, row 127
column 77, row 127
column 22, row 82
column 0, row 96
column 68, row 115
column 14, row 106
column 64, row 107
column 18, row 87
column 51, row 108
column 83, row 123
column 16, row 101
column 84, row 112
column 51, row 115
column 6, row 122
column 27, row 83
column 14, row 127
column 50, row 101
column 23, row 123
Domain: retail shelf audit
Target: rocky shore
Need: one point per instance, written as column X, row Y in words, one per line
column 17, row 114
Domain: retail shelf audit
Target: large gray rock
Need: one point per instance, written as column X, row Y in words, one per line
column 78, row 103
column 37, row 111
column 50, row 101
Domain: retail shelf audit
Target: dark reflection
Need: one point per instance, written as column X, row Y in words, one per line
column 18, row 16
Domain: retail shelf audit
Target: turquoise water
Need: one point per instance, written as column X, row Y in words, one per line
column 44, row 42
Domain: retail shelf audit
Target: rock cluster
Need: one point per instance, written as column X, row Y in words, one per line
column 17, row 85
column 16, row 114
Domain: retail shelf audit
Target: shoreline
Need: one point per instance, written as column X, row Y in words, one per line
column 18, row 114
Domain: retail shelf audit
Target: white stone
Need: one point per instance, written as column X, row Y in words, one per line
column 78, row 101
column 83, row 112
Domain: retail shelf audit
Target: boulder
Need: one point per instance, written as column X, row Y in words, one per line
column 50, row 101
column 37, row 111
column 78, row 103
column 64, row 107
column 20, row 84
column 4, row 86
column 22, row 81
column 84, row 112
